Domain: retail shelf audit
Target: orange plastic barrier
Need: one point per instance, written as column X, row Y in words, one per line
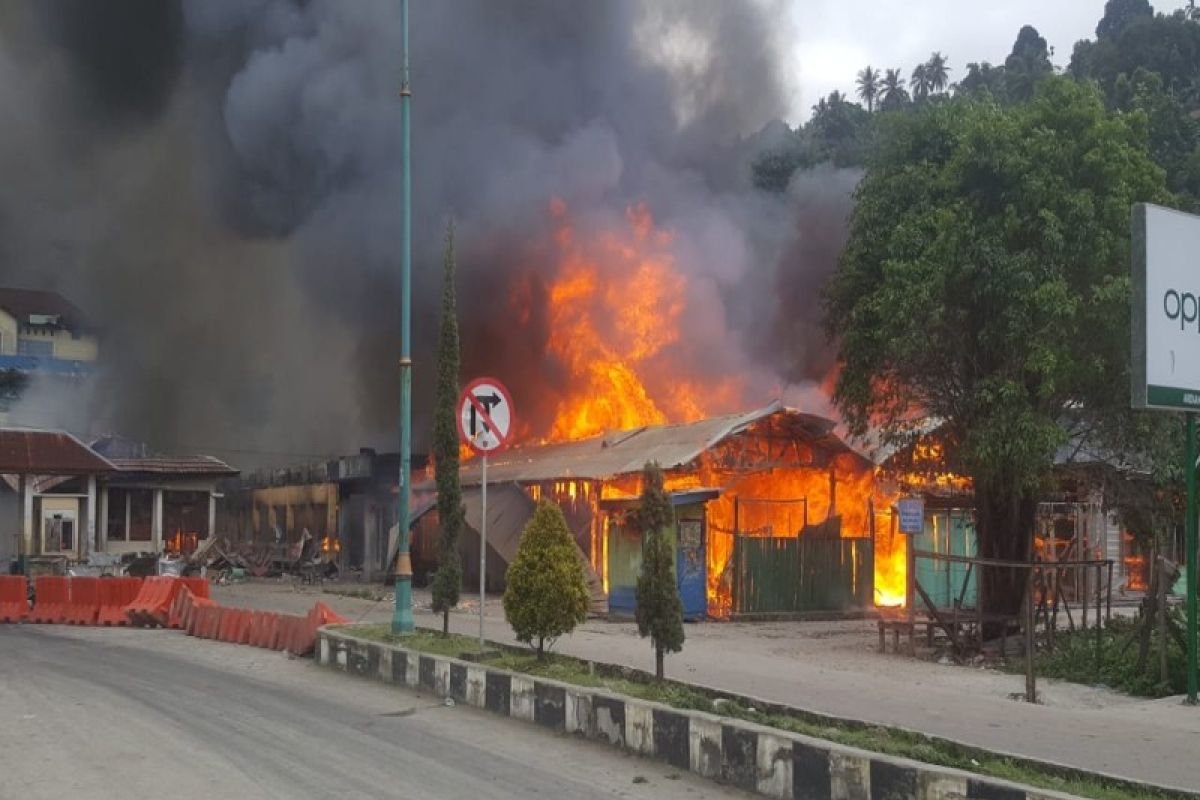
column 52, row 596
column 115, row 594
column 14, row 598
column 85, row 601
column 151, row 606
column 198, row 586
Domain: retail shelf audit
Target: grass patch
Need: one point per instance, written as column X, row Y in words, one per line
column 1074, row 659
column 878, row 739
column 357, row 592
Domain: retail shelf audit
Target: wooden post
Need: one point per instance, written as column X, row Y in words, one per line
column 1108, row 593
column 1161, row 599
column 735, row 581
column 1030, row 679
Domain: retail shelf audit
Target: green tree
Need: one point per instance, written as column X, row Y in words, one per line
column 919, row 82
column 1118, row 14
column 447, row 581
column 892, row 94
column 985, row 285
column 546, row 594
column 983, row 77
column 659, row 609
column 868, row 86
column 1027, row 64
column 937, row 71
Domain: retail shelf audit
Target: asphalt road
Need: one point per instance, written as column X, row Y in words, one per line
column 131, row 714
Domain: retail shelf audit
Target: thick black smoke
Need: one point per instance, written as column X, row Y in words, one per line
column 232, row 216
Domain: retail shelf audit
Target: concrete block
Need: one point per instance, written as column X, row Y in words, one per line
column 774, row 757
column 892, row 781
column 610, row 720
column 458, row 682
column 441, row 671
column 810, row 771
column 671, row 741
column 579, row 716
column 498, row 698
column 427, row 673
column 412, row 670
column 639, row 728
column 739, row 765
column 385, row 664
column 476, row 692
column 937, row 786
column 323, row 650
column 704, row 747
column 521, row 698
column 341, row 656
column 986, row 790
column 849, row 776
column 549, row 706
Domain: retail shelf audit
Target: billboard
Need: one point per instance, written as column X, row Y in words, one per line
column 1166, row 309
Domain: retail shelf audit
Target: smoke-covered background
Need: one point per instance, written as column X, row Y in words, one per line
column 216, row 183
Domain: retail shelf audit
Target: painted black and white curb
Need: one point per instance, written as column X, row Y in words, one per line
column 765, row 760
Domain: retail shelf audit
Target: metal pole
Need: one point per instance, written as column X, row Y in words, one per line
column 482, row 549
column 402, row 615
column 1192, row 572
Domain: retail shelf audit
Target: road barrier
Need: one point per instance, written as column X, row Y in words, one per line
column 160, row 601
column 14, row 598
column 52, row 597
column 115, row 594
column 85, row 601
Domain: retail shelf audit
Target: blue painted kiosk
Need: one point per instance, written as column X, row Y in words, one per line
column 623, row 550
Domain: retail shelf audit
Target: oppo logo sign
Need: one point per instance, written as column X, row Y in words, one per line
column 1182, row 306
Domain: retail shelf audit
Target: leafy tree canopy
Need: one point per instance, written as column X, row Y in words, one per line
column 985, row 284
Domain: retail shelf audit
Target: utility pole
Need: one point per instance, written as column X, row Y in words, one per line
column 402, row 616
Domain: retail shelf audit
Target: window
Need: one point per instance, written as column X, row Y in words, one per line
column 118, row 510
column 58, row 532
column 141, row 514
column 35, row 347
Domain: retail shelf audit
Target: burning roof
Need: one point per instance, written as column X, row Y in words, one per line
column 626, row 452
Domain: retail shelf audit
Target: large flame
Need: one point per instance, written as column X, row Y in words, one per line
column 615, row 307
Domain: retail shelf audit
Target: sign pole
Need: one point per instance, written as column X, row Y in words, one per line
column 482, row 549
column 1193, row 573
column 402, row 614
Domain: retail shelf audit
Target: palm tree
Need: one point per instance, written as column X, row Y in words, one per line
column 937, row 71
column 920, row 83
column 891, row 90
column 868, row 86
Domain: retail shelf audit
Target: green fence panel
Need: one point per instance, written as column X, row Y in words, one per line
column 777, row 575
column 951, row 533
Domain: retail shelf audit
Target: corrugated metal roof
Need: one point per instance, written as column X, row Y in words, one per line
column 33, row 452
column 627, row 452
column 174, row 465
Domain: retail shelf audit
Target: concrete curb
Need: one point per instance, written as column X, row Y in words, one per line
column 763, row 760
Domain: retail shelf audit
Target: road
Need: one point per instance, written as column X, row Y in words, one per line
column 118, row 713
column 833, row 668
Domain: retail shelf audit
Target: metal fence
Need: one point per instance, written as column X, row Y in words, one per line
column 789, row 575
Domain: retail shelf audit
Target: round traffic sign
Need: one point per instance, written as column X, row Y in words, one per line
column 485, row 416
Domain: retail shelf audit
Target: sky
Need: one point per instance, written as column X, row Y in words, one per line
column 837, row 38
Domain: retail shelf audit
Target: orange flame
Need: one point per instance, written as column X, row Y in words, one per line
column 614, row 311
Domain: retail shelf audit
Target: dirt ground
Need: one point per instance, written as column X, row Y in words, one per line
column 833, row 668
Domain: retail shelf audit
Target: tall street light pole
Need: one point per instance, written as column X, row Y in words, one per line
column 402, row 615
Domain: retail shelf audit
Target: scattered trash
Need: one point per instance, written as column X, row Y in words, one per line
column 449, row 702
column 640, row 779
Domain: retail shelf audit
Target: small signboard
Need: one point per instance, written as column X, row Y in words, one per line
column 912, row 514
column 1166, row 309
column 485, row 418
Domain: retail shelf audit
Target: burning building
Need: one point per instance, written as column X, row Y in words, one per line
column 782, row 513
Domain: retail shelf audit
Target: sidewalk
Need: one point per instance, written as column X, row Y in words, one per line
column 832, row 668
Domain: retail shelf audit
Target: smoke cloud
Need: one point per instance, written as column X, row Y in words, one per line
column 216, row 183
